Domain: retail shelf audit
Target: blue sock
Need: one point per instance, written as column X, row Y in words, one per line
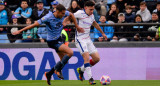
column 65, row 59
column 59, row 66
column 87, row 65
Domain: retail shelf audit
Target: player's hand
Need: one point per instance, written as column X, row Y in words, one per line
column 105, row 37
column 16, row 32
column 80, row 30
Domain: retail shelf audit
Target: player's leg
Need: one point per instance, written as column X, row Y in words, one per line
column 61, row 55
column 95, row 58
column 87, row 67
column 82, row 48
column 93, row 53
column 64, row 49
column 59, row 47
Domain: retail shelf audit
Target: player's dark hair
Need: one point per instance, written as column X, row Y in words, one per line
column 89, row 3
column 60, row 7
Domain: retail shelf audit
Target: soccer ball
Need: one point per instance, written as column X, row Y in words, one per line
column 105, row 80
column 14, row 30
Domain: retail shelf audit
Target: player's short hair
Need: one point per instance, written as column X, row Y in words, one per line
column 60, row 7
column 89, row 3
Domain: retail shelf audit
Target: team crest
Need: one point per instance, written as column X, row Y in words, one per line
column 43, row 18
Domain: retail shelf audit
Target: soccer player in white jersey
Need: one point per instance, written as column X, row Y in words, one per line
column 85, row 19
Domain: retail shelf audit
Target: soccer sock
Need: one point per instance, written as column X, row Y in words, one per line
column 92, row 63
column 82, row 68
column 88, row 70
column 59, row 66
column 51, row 71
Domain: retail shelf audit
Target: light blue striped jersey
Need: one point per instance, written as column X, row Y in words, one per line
column 54, row 25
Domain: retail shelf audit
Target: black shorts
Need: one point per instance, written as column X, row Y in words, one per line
column 55, row 44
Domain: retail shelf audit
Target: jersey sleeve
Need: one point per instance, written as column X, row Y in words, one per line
column 77, row 14
column 93, row 18
column 44, row 19
column 67, row 13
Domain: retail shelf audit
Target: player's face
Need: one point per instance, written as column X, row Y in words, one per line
column 60, row 14
column 89, row 10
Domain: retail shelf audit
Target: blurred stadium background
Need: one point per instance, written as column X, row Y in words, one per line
column 132, row 61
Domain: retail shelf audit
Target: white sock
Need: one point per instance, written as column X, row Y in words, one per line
column 82, row 68
column 89, row 73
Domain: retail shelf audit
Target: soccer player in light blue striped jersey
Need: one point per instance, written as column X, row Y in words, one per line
column 54, row 24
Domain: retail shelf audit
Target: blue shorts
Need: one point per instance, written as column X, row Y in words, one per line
column 55, row 44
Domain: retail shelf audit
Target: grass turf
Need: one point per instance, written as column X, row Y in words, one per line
column 78, row 83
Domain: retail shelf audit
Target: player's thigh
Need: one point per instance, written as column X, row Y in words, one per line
column 91, row 48
column 65, row 49
column 82, row 46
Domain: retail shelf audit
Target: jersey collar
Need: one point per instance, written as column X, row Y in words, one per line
column 85, row 12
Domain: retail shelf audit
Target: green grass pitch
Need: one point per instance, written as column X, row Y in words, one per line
column 78, row 83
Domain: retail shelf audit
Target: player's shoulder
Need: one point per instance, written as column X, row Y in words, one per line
column 80, row 11
column 49, row 14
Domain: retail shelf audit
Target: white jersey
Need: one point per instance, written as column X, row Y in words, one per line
column 85, row 22
column 82, row 40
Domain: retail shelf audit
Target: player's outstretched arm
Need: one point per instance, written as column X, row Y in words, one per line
column 26, row 28
column 96, row 25
column 79, row 29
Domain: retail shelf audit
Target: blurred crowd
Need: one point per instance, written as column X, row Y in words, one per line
column 15, row 12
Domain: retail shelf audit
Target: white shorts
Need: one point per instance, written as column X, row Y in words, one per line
column 85, row 46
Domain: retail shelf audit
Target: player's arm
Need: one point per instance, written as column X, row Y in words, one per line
column 65, row 21
column 26, row 28
column 79, row 29
column 96, row 25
